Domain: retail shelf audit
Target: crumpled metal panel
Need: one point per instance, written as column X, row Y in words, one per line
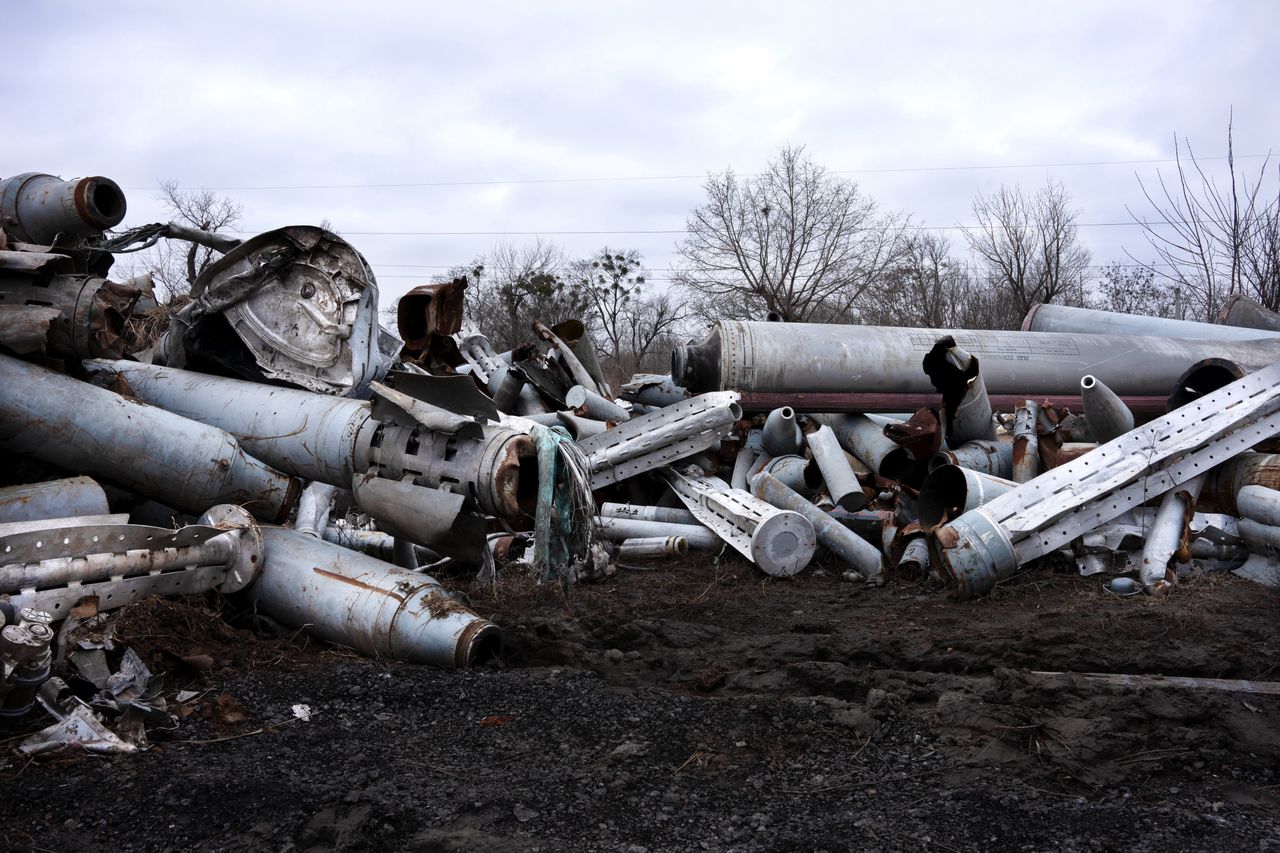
column 304, row 302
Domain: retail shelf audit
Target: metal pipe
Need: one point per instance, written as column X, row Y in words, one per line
column 313, row 508
column 54, row 499
column 914, row 562
column 779, row 542
column 656, row 546
column 667, row 514
column 578, row 427
column 36, row 208
column 333, row 439
column 1242, row 311
column 698, row 537
column 742, row 463
column 1065, row 318
column 781, row 435
column 1260, row 504
column 1202, row 377
column 989, row 457
column 1026, row 442
column 1264, row 538
column 146, row 450
column 796, row 473
column 1226, row 481
column 814, row 357
column 598, row 408
column 865, row 439
column 848, row 546
column 373, row 607
column 1144, row 407
column 837, row 473
column 1166, row 534
column 950, row 491
column 1104, row 412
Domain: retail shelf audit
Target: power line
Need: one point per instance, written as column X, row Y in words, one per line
column 669, row 231
column 639, row 178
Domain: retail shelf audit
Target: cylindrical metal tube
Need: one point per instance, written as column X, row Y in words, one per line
column 313, row 508
column 1260, row 504
column 837, row 473
column 578, row 427
column 1242, row 311
column 864, row 437
column 989, row 457
column 1260, row 537
column 1165, row 534
column 798, row 474
column 814, row 357
column 1105, row 413
column 698, row 537
column 147, row 450
column 310, row 435
column 950, row 491
column 1222, row 489
column 36, row 208
column 914, row 562
column 579, row 397
column 373, row 607
column 507, row 383
column 667, row 514
column 655, row 546
column 781, row 435
column 1026, row 442
column 54, row 499
column 741, row 465
column 1065, row 318
column 848, row 546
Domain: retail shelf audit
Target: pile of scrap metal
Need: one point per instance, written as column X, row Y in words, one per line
column 1115, row 442
column 214, row 458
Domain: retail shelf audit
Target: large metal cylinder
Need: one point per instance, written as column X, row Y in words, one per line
column 950, row 491
column 1064, row 318
column 860, row 554
column 36, row 208
column 373, row 607
column 1242, row 311
column 812, row 357
column 147, row 450
column 54, row 499
column 696, row 536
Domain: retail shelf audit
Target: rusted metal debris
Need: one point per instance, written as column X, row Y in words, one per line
column 323, row 469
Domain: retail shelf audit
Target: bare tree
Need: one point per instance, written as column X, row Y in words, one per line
column 174, row 265
column 1139, row 290
column 1214, row 241
column 1027, row 246
column 793, row 240
column 628, row 318
column 921, row 289
column 517, row 284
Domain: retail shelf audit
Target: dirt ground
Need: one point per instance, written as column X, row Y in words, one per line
column 702, row 706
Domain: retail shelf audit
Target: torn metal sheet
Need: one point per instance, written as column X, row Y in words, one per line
column 650, row 441
column 296, row 305
column 956, row 375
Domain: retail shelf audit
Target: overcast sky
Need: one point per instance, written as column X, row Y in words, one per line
column 277, row 104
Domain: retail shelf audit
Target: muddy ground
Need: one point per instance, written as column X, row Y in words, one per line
column 702, row 706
